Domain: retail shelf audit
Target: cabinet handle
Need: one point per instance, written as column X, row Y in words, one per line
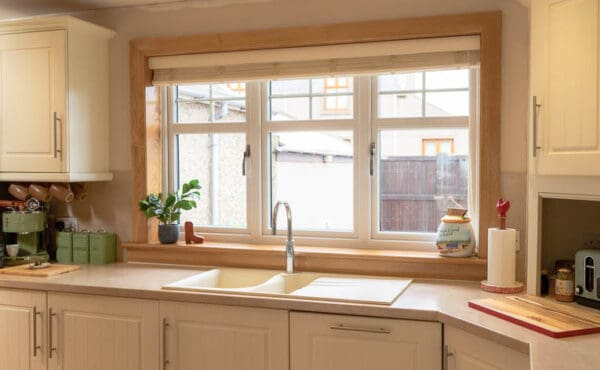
column 55, row 122
column 165, row 325
column 245, row 159
column 51, row 347
column 536, row 107
column 445, row 356
column 372, row 150
column 36, row 346
column 359, row 329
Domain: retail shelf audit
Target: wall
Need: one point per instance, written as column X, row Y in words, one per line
column 110, row 205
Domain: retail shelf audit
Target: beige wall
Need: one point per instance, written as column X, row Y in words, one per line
column 110, row 204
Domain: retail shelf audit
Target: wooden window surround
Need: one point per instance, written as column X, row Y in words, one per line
column 146, row 148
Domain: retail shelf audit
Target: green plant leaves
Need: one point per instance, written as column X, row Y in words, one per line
column 168, row 211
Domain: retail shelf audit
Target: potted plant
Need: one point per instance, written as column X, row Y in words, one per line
column 168, row 209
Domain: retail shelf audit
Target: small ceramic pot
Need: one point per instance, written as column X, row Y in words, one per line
column 168, row 234
column 455, row 235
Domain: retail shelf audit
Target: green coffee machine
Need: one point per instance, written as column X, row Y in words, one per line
column 28, row 227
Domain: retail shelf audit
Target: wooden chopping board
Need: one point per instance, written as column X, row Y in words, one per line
column 557, row 320
column 24, row 270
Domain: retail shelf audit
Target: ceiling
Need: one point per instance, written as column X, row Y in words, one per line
column 22, row 8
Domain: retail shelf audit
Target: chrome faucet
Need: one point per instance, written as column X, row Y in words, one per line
column 289, row 245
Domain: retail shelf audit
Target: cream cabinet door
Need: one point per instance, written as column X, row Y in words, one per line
column 564, row 83
column 468, row 352
column 101, row 333
column 22, row 319
column 32, row 102
column 210, row 337
column 337, row 342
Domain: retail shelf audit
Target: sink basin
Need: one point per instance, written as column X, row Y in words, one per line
column 300, row 285
column 224, row 279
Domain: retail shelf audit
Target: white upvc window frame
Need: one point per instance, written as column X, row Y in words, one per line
column 365, row 233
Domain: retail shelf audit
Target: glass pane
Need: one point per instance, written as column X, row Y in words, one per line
column 290, row 109
column 229, row 111
column 332, row 85
column 215, row 160
column 440, row 104
column 449, row 79
column 189, row 92
column 229, row 90
column 401, row 82
column 290, row 87
column 313, row 171
column 417, row 186
column 332, row 107
column 193, row 112
column 400, row 105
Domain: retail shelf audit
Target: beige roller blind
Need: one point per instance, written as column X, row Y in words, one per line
column 376, row 57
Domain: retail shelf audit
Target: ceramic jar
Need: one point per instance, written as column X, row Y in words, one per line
column 455, row 236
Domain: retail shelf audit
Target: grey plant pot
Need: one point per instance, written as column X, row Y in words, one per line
column 168, row 234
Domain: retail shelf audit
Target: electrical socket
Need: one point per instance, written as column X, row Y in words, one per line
column 70, row 222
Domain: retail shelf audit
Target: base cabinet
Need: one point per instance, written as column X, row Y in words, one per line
column 210, row 337
column 466, row 351
column 100, row 333
column 22, row 320
column 339, row 342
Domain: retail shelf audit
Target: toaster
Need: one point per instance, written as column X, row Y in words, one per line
column 587, row 277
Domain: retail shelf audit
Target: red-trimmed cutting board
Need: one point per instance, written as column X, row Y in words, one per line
column 53, row 269
column 557, row 320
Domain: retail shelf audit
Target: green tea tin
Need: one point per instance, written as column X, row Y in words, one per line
column 103, row 248
column 64, row 246
column 81, row 247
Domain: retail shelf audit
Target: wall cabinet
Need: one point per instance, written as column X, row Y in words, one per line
column 54, row 109
column 209, row 337
column 99, row 333
column 465, row 351
column 23, row 317
column 565, row 126
column 338, row 342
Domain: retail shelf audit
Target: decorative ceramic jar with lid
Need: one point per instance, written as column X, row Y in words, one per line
column 455, row 235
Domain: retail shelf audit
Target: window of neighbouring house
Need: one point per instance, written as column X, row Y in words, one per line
column 371, row 158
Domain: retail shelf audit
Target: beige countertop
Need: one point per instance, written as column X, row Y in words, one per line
column 430, row 300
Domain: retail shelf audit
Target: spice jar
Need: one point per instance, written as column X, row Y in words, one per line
column 565, row 286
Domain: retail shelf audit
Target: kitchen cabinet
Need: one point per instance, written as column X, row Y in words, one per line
column 209, row 337
column 465, row 351
column 99, row 333
column 565, row 129
column 22, row 319
column 339, row 342
column 54, row 108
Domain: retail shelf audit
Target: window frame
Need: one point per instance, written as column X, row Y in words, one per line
column 145, row 112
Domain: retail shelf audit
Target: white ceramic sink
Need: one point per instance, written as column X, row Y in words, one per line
column 301, row 285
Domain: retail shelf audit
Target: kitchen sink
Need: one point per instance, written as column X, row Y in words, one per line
column 299, row 285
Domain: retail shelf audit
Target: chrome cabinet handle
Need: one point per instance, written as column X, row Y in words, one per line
column 244, row 159
column 55, row 122
column 359, row 329
column 165, row 325
column 36, row 346
column 445, row 356
column 372, row 151
column 51, row 347
column 536, row 107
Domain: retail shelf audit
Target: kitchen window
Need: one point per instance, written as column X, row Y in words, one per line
column 363, row 160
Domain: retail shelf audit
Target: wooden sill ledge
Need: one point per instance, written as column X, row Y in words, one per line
column 335, row 260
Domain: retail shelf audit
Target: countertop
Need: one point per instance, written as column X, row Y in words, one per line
column 428, row 300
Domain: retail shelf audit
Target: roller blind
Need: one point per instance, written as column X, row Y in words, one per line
column 375, row 57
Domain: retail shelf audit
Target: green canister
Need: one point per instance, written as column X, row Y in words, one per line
column 81, row 247
column 64, row 246
column 103, row 248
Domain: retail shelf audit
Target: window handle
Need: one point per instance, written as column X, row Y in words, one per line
column 246, row 156
column 372, row 158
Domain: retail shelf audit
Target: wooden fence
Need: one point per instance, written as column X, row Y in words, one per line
column 415, row 190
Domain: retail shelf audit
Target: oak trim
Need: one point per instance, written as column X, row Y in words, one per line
column 332, row 260
column 486, row 25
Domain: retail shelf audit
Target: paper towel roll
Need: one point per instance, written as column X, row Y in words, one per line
column 502, row 257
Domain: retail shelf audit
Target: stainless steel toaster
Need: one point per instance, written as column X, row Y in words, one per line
column 587, row 277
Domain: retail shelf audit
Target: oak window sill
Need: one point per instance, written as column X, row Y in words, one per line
column 334, row 260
